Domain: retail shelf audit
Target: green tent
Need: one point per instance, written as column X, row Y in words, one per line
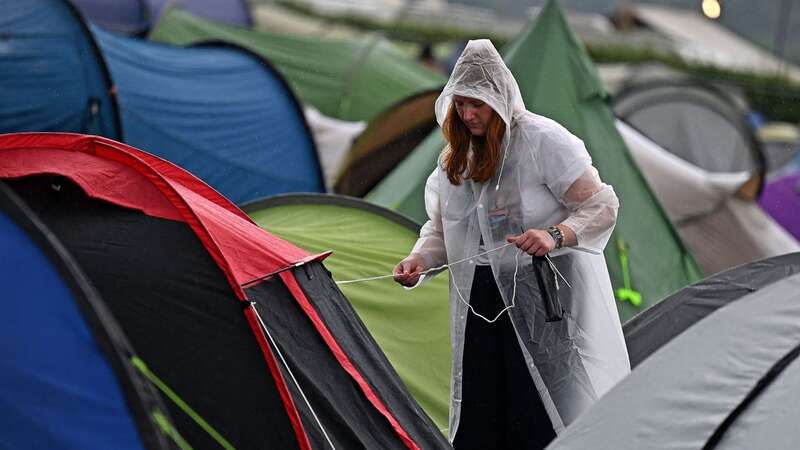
column 411, row 326
column 558, row 80
column 345, row 79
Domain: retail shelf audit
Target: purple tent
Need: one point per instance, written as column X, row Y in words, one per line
column 137, row 16
column 781, row 199
column 231, row 12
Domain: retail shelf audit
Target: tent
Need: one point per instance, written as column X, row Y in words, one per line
column 780, row 142
column 333, row 138
column 558, row 80
column 722, row 229
column 67, row 371
column 411, row 326
column 730, row 381
column 781, row 199
column 246, row 328
column 388, row 139
column 39, row 41
column 137, row 16
column 351, row 80
column 698, row 123
column 659, row 324
column 217, row 110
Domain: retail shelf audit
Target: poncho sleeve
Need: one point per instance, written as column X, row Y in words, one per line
column 430, row 245
column 567, row 170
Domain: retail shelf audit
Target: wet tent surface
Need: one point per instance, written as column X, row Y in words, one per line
column 411, row 327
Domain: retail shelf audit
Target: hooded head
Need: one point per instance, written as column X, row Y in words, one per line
column 481, row 73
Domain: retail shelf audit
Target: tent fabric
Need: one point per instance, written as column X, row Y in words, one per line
column 52, row 76
column 411, row 326
column 558, row 80
column 169, row 283
column 121, row 16
column 137, row 16
column 662, row 322
column 216, row 110
column 694, row 121
column 350, row 80
column 781, row 199
column 130, row 178
column 388, row 139
column 728, row 382
column 70, row 384
column 333, row 138
column 721, row 229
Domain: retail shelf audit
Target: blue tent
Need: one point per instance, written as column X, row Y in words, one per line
column 66, row 378
column 137, row 16
column 218, row 111
column 52, row 77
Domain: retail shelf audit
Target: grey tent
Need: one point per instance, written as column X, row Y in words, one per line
column 731, row 381
column 695, row 121
column 659, row 324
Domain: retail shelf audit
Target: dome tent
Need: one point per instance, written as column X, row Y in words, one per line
column 698, row 123
column 221, row 111
column 387, row 141
column 347, row 79
column 68, row 375
column 731, row 381
column 52, row 75
column 657, row 325
column 722, row 229
column 239, row 323
column 411, row 326
column 217, row 110
column 557, row 79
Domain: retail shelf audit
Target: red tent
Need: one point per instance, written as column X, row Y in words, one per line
column 291, row 366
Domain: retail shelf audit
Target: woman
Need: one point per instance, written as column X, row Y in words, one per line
column 511, row 176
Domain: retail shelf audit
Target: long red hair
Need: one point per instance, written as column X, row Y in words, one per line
column 486, row 149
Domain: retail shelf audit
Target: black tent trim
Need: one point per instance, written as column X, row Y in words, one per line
column 751, row 396
column 141, row 397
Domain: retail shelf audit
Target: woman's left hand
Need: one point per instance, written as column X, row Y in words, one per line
column 534, row 242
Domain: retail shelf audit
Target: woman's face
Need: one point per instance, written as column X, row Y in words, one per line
column 474, row 113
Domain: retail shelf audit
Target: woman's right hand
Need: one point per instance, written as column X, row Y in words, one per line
column 408, row 271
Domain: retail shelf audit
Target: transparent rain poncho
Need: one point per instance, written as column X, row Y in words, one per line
column 546, row 179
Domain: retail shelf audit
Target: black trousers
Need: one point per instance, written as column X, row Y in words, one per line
column 500, row 408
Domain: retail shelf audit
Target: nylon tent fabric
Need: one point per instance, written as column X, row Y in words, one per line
column 231, row 12
column 656, row 326
column 721, row 229
column 52, row 76
column 198, row 287
column 781, row 199
column 728, row 382
column 333, row 138
column 135, row 17
column 121, row 16
column 558, row 80
column 345, row 79
column 217, row 111
column 411, row 326
column 387, row 141
column 69, row 383
column 696, row 122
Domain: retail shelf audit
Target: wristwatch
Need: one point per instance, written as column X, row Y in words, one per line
column 557, row 235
